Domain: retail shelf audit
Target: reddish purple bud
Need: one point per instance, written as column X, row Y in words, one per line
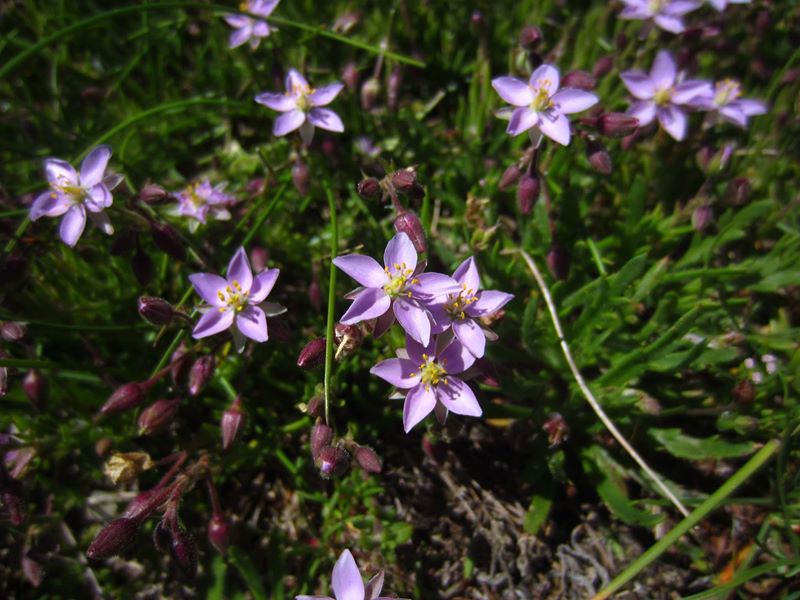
column 529, row 37
column 153, row 194
column 142, row 267
column 300, row 178
column 738, row 191
column 744, row 392
column 369, row 188
column 702, row 217
column 259, row 257
column 409, row 223
column 219, row 533
column 617, row 125
column 315, row 295
column 315, row 406
column 115, row 538
column 158, row 415
column 367, row 459
column 598, row 157
column 124, row 398
column 256, row 187
column 393, row 88
column 313, row 355
column 231, row 424
column 35, row 387
column 370, row 91
column 168, row 241
column 509, row 177
column 321, row 436
column 200, row 374
column 528, row 192
column 32, row 569
column 558, row 261
column 603, row 66
column 178, row 368
column 556, row 428
column 155, row 310
column 184, row 552
column 404, row 180
column 12, row 331
column 332, row 461
column 145, row 503
column 350, row 76
column 579, row 79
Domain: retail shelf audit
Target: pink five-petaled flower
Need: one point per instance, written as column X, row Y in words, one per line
column 540, row 104
column 300, row 105
column 659, row 96
column 247, row 28
column 236, row 303
column 666, row 14
column 725, row 99
column 462, row 309
column 428, row 375
column 200, row 200
column 72, row 194
column 397, row 286
column 347, row 583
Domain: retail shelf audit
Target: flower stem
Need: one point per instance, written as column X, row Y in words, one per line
column 331, row 305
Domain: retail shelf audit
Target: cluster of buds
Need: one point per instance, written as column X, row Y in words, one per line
column 334, row 458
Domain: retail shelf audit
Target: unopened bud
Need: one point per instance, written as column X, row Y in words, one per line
column 168, row 241
column 702, row 217
column 200, row 374
column 367, row 459
column 529, row 37
column 598, row 157
column 156, row 310
column 579, row 79
column 315, row 406
column 312, row 355
column 321, row 436
column 153, row 194
column 142, row 267
column 509, row 177
column 393, row 88
column 115, row 538
column 528, row 192
column 738, row 191
column 404, row 180
column 350, row 76
column 219, row 532
column 556, row 428
column 300, row 178
column 332, row 461
column 259, row 256
column 370, row 91
column 145, row 503
column 369, row 188
column 603, row 66
column 617, row 125
column 124, row 398
column 558, row 261
column 35, row 386
column 158, row 415
column 178, row 368
column 184, row 552
column 231, row 424
column 408, row 223
column 11, row 331
column 256, row 186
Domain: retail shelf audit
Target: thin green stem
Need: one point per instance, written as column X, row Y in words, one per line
column 331, row 305
column 226, row 385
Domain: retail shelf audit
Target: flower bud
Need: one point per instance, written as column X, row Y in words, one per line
column 367, row 459
column 393, row 88
column 528, row 192
column 558, row 261
column 408, row 223
column 529, row 37
column 369, row 188
column 702, row 217
column 579, row 79
column 201, row 372
column 617, row 125
column 168, row 241
column 332, row 461
column 124, row 398
column 142, row 267
column 312, row 355
column 404, row 180
column 219, row 532
column 315, row 406
column 350, row 76
column 256, row 186
column 370, row 92
column 35, row 387
column 556, row 428
column 12, row 331
column 155, row 310
column 184, row 552
column 158, row 415
column 115, row 538
column 259, row 256
column 603, row 66
column 231, row 424
column 509, row 177
column 738, row 191
column 321, row 436
column 178, row 368
column 300, row 178
column 145, row 503
column 598, row 157
column 347, row 339
column 154, row 194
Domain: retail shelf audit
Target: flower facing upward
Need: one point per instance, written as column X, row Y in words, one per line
column 398, row 286
column 200, row 200
column 540, row 104
column 725, row 99
column 300, row 105
column 236, row 303
column 428, row 375
column 247, row 28
column 72, row 194
column 347, row 583
column 462, row 309
column 659, row 96
column 666, row 14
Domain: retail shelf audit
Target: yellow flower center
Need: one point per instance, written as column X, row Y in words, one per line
column 655, row 6
column 191, row 191
column 457, row 304
column 431, row 372
column 233, row 296
column 727, row 91
column 75, row 192
column 663, row 96
column 244, row 6
column 397, row 280
column 541, row 96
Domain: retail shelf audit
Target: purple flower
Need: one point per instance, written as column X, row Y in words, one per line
column 347, row 582
column 667, row 14
column 399, row 286
column 540, row 104
column 72, row 194
column 428, row 375
column 725, row 100
column 659, row 96
column 247, row 28
column 300, row 105
column 721, row 5
column 200, row 200
column 462, row 309
column 236, row 303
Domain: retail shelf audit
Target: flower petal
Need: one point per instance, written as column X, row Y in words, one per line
column 307, row 133
column 513, row 90
column 236, row 20
column 347, row 582
column 374, row 586
column 279, row 102
column 688, row 90
column 252, row 322
column 295, row 82
column 571, row 100
column 208, row 285
column 470, row 334
column 49, row 204
column 369, row 304
column 239, row 270
column 467, row 275
column 458, row 397
column 288, row 122
column 734, row 115
column 488, row 302
column 400, row 251
column 674, row 121
column 272, row 309
column 416, row 352
column 102, row 222
column 522, row 119
column 98, row 198
column 383, row 323
column 325, row 94
column 364, row 269
column 265, row 7
column 430, row 286
column 399, row 372
column 639, row 84
column 664, row 70
column 555, row 126
column 413, row 319
column 547, row 77
column 212, row 322
column 325, row 118
column 72, row 225
column 645, row 111
column 418, row 405
column 441, row 318
column 60, row 172
column 94, row 166
column 456, row 358
column 261, row 29
column 670, row 23
column 751, row 107
column 677, row 8
column 262, row 285
column 240, row 36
